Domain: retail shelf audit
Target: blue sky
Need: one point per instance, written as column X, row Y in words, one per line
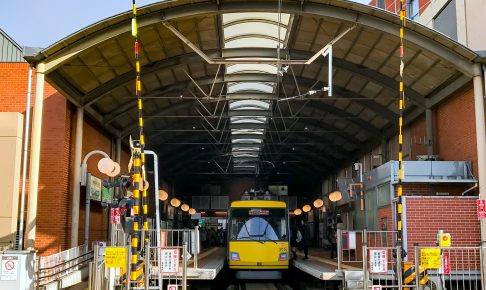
column 40, row 23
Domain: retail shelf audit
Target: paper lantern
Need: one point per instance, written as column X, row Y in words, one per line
column 318, row 203
column 106, row 165
column 335, row 196
column 185, row 207
column 192, row 211
column 306, row 208
column 163, row 195
column 297, row 211
column 175, row 202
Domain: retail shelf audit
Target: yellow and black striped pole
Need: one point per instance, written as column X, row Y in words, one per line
column 400, row 125
column 140, row 200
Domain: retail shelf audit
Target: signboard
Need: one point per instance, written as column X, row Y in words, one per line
column 171, row 287
column 10, row 267
column 196, row 216
column 107, row 194
column 377, row 287
column 94, row 187
column 481, row 208
column 378, row 259
column 446, row 263
column 115, row 257
column 430, row 258
column 115, row 215
column 170, row 260
column 445, row 240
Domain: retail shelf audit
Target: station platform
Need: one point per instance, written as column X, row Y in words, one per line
column 319, row 265
column 210, row 262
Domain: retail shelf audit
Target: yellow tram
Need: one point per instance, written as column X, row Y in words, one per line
column 258, row 235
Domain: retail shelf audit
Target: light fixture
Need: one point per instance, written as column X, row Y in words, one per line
column 335, row 196
column 318, row 203
column 306, row 208
column 163, row 195
column 324, row 209
column 192, row 211
column 298, row 211
column 185, row 207
column 108, row 167
column 181, row 96
column 175, row 202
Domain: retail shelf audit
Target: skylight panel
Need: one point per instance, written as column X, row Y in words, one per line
column 254, row 28
column 249, row 87
column 251, row 68
column 233, row 17
column 251, row 119
column 244, row 104
column 253, row 141
column 252, row 41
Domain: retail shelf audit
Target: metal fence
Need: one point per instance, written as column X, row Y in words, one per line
column 51, row 268
column 451, row 268
column 184, row 242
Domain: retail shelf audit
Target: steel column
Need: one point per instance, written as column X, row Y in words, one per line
column 429, row 123
column 78, row 148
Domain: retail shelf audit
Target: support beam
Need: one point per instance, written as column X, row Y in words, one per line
column 429, row 123
column 78, row 149
column 481, row 147
column 35, row 156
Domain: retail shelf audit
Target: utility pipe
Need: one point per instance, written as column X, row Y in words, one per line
column 24, row 161
column 157, row 209
column 481, row 149
column 84, row 176
column 35, row 156
column 78, row 147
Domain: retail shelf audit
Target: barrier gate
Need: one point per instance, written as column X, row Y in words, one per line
column 371, row 260
column 164, row 265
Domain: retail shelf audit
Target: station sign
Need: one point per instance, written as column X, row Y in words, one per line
column 378, row 260
column 170, row 260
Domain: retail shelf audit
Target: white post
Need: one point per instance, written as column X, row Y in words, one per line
column 35, row 156
column 78, row 148
column 481, row 147
column 24, row 160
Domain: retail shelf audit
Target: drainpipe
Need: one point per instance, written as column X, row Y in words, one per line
column 24, row 161
column 429, row 131
column 35, row 156
column 78, row 148
column 481, row 148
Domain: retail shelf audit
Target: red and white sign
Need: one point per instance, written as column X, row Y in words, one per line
column 170, row 260
column 377, row 287
column 481, row 209
column 10, row 268
column 115, row 215
column 378, row 260
column 171, row 287
column 446, row 263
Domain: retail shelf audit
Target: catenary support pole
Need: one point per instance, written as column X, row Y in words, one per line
column 481, row 147
column 429, row 128
column 35, row 156
column 78, row 148
column 118, row 150
column 20, row 246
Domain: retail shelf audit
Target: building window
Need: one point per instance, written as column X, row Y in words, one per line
column 446, row 20
column 380, row 4
column 413, row 9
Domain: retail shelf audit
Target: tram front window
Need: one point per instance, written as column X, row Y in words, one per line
column 258, row 224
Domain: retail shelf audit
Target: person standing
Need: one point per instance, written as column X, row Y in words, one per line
column 332, row 237
column 305, row 242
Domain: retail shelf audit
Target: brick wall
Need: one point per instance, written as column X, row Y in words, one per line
column 425, row 216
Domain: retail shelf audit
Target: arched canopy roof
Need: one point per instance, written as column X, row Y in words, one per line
column 248, row 115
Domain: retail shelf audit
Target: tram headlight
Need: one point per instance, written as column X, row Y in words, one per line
column 283, row 256
column 234, row 256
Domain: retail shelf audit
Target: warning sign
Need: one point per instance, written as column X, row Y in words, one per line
column 170, row 260
column 115, row 257
column 481, row 208
column 378, row 259
column 446, row 263
column 377, row 287
column 171, row 287
column 430, row 258
column 10, row 266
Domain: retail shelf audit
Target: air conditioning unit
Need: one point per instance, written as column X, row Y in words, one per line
column 427, row 157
